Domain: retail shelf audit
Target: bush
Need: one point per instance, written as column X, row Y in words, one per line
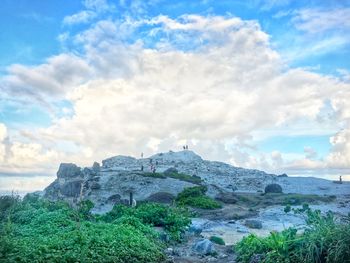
column 273, row 188
column 325, row 240
column 174, row 220
column 7, row 203
column 217, row 240
column 43, row 231
column 195, row 197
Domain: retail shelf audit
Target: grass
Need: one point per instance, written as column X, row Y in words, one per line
column 178, row 176
column 43, row 231
column 217, row 240
column 195, row 197
column 325, row 240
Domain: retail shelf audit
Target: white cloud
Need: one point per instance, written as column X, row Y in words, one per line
column 316, row 20
column 210, row 80
column 94, row 8
column 3, row 134
column 52, row 78
column 81, row 17
column 340, row 155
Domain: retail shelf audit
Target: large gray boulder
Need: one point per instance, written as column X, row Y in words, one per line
column 273, row 188
column 252, row 223
column 161, row 197
column 204, row 247
column 68, row 170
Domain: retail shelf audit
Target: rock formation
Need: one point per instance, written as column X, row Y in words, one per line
column 112, row 182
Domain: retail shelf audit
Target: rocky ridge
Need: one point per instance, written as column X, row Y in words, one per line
column 112, row 182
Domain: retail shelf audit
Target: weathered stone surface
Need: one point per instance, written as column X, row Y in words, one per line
column 161, row 197
column 204, row 247
column 121, row 174
column 252, row 223
column 273, row 188
column 71, row 189
column 96, row 167
column 68, row 170
column 227, row 198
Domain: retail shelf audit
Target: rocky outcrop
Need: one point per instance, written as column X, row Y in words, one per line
column 273, row 188
column 204, row 247
column 253, row 223
column 117, row 177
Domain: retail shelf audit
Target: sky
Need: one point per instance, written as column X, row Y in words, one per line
column 260, row 84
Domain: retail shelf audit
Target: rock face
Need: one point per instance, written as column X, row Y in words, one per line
column 112, row 182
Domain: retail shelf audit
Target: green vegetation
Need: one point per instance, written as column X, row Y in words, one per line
column 173, row 219
column 325, row 240
column 41, row 231
column 217, row 240
column 195, row 197
column 263, row 200
column 178, row 176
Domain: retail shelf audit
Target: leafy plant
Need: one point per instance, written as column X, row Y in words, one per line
column 36, row 230
column 195, row 197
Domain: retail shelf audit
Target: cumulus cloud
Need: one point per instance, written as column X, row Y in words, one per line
column 209, row 82
column 52, row 78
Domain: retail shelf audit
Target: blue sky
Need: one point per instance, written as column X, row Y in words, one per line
column 261, row 84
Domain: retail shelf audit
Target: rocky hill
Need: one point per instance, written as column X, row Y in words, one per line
column 161, row 176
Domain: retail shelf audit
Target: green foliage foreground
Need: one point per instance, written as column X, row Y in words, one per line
column 42, row 231
column 325, row 240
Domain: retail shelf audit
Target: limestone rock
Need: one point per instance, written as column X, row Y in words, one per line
column 161, row 197
column 273, row 188
column 204, row 247
column 68, row 170
column 252, row 223
column 72, row 188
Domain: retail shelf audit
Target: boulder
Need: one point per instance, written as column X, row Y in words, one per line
column 68, row 170
column 252, row 223
column 95, row 186
column 161, row 197
column 282, row 175
column 71, row 189
column 204, row 247
column 96, row 167
column 273, row 188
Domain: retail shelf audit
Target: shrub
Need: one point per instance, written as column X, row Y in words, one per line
column 217, row 240
column 43, row 231
column 195, row 197
column 174, row 220
column 325, row 240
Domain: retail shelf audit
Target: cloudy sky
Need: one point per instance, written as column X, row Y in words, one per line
column 259, row 84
